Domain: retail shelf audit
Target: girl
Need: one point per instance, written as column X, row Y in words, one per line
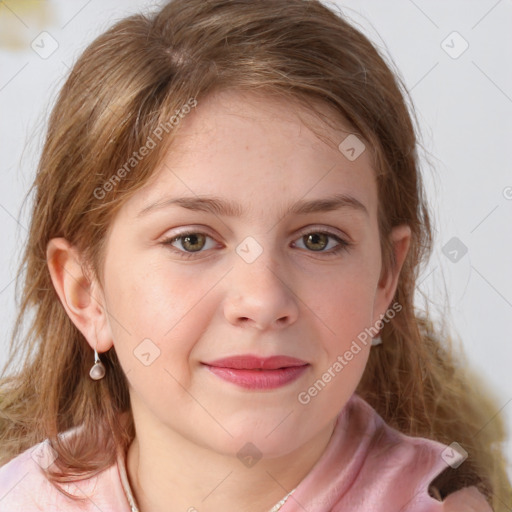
column 227, row 229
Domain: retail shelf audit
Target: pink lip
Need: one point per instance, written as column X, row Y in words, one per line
column 253, row 372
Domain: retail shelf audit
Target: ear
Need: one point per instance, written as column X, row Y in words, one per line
column 400, row 237
column 82, row 298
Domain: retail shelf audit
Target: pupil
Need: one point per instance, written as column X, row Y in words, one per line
column 317, row 238
column 193, row 240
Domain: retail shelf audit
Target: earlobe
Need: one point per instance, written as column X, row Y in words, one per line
column 80, row 297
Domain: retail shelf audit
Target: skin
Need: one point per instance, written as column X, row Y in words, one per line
column 291, row 300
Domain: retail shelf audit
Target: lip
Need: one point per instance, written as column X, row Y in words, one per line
column 252, row 372
column 250, row 362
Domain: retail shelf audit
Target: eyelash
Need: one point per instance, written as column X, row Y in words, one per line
column 343, row 245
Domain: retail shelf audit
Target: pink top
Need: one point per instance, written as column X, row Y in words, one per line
column 366, row 466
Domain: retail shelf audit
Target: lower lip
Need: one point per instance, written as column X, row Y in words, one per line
column 259, row 379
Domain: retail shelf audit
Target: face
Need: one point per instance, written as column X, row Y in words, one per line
column 187, row 284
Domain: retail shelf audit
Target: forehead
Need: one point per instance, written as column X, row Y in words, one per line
column 257, row 150
column 262, row 115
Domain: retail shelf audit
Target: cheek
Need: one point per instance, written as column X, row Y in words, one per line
column 156, row 315
column 342, row 310
column 342, row 300
column 154, row 298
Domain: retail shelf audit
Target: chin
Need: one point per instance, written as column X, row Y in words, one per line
column 258, row 444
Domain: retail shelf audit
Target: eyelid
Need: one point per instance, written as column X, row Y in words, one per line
column 323, row 229
column 193, row 229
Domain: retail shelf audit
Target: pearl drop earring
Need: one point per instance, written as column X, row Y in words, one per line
column 97, row 371
column 377, row 340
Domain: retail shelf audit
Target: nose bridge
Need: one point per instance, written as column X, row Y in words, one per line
column 259, row 289
column 258, row 260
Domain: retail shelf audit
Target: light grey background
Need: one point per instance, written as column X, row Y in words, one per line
column 464, row 106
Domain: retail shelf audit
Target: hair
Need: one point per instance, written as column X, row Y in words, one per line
column 128, row 84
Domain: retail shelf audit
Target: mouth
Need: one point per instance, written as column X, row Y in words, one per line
column 255, row 373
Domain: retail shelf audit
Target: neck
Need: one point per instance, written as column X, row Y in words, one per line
column 173, row 474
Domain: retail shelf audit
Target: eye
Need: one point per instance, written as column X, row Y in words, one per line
column 190, row 242
column 319, row 241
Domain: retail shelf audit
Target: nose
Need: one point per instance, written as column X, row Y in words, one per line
column 260, row 295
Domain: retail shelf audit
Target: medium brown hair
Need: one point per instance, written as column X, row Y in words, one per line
column 133, row 79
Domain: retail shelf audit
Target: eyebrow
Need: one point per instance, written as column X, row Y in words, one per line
column 229, row 208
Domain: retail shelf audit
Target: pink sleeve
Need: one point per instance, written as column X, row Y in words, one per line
column 22, row 483
column 24, row 487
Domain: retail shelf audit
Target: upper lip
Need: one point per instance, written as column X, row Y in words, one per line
column 250, row 362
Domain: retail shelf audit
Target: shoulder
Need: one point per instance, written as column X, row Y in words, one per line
column 22, row 479
column 469, row 499
column 24, row 486
column 389, row 444
column 415, row 465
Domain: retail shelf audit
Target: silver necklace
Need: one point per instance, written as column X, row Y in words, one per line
column 277, row 506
